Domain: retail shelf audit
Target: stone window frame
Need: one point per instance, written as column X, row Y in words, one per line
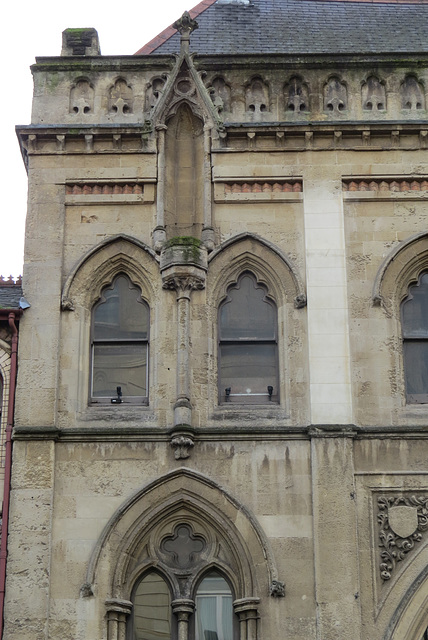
column 131, row 545
column 269, row 299
column 141, row 400
column 82, row 290
column 182, row 611
column 275, row 271
column 401, row 269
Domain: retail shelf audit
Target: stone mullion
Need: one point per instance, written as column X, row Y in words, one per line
column 183, row 609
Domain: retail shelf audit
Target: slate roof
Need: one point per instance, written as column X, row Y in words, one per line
column 303, row 27
column 9, row 296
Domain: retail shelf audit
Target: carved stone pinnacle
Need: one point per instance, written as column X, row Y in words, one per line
column 185, row 25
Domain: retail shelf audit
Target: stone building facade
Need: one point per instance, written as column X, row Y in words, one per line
column 221, row 418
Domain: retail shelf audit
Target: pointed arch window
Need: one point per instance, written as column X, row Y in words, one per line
column 120, row 344
column 214, row 615
column 248, row 344
column 151, row 613
column 414, row 318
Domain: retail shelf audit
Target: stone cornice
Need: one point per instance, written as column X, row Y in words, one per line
column 223, row 61
column 114, row 433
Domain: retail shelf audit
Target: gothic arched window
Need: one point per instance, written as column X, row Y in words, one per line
column 414, row 317
column 214, row 609
column 248, row 349
column 120, row 342
column 151, row 613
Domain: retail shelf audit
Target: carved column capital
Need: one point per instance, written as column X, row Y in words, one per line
column 183, row 284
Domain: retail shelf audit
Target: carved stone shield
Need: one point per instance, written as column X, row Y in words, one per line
column 403, row 520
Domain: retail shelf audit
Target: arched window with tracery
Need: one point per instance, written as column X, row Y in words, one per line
column 120, row 344
column 248, row 344
column 414, row 318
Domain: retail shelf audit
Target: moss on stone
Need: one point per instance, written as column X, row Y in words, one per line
column 188, row 244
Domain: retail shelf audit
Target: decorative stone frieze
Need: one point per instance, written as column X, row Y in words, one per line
column 95, row 188
column 407, row 184
column 403, row 521
column 265, row 187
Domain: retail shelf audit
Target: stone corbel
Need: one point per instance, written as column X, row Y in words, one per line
column 182, row 443
column 277, row 589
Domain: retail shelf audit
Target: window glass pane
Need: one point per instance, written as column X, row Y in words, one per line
column 214, row 610
column 121, row 314
column 415, row 310
column 246, row 315
column 248, row 368
column 416, row 367
column 119, row 365
column 152, row 609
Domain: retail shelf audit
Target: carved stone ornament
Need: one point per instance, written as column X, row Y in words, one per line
column 183, row 283
column 86, row 590
column 277, row 589
column 185, row 25
column 182, row 549
column 402, row 521
column 181, row 445
column 67, row 304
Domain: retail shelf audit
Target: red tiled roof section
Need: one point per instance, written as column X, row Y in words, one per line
column 151, row 46
column 379, row 1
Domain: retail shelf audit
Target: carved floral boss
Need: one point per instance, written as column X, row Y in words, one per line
column 402, row 521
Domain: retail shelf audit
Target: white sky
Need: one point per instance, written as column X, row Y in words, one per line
column 33, row 29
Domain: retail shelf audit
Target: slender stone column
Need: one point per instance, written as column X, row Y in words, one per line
column 183, row 332
column 247, row 611
column 208, row 237
column 117, row 615
column 183, row 609
column 183, row 269
column 182, row 408
column 159, row 233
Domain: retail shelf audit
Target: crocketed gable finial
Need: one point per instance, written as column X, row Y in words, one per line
column 185, row 25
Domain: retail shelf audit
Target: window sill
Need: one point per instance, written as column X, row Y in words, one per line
column 268, row 413
column 137, row 413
